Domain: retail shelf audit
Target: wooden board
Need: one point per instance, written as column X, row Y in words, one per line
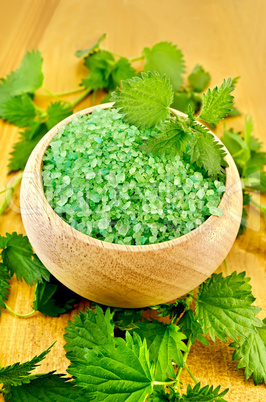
column 228, row 38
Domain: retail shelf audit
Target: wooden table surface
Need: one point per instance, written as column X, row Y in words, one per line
column 229, row 39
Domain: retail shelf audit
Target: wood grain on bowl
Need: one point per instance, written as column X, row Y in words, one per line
column 121, row 275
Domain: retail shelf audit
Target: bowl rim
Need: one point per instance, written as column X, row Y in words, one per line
column 34, row 162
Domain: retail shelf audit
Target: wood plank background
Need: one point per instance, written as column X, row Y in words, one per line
column 229, row 39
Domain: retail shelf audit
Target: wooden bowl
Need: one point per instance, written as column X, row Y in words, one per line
column 121, row 275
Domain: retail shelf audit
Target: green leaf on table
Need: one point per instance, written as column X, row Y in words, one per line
column 4, row 285
column 206, row 151
column 216, row 104
column 48, row 387
column 88, row 331
column 144, row 101
column 166, row 58
column 19, row 110
column 26, row 79
column 199, row 79
column 105, row 72
column 191, row 327
column 19, row 259
column 234, row 112
column 165, row 343
column 172, row 140
column 162, row 396
column 91, row 49
column 126, row 319
column 101, row 66
column 56, row 112
column 53, row 298
column 255, row 181
column 247, row 156
column 255, row 144
column 252, row 354
column 116, row 372
column 256, row 163
column 237, row 147
column 122, row 70
column 183, row 101
column 196, row 394
column 23, row 149
column 203, row 394
column 224, row 307
column 18, row 373
column 173, row 310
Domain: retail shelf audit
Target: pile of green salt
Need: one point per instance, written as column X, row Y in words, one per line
column 96, row 178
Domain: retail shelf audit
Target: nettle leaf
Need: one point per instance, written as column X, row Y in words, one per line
column 26, row 79
column 162, row 396
column 122, row 70
column 255, row 144
column 204, row 394
column 173, row 310
column 255, row 164
column 23, row 149
column 18, row 373
column 206, row 151
column 116, row 372
column 165, row 343
column 167, row 59
column 48, row 387
column 19, row 259
column 105, row 72
column 224, row 307
column 144, row 101
column 91, row 49
column 199, row 79
column 53, row 298
column 101, row 65
column 216, row 104
column 56, row 112
column 184, row 100
column 252, row 354
column 19, row 110
column 4, row 285
column 172, row 140
column 126, row 319
column 255, row 181
column 191, row 327
column 237, row 147
column 88, row 331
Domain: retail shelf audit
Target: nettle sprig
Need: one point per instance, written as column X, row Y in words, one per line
column 145, row 359
column 145, row 102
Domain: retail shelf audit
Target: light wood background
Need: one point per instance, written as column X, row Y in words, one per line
column 229, row 39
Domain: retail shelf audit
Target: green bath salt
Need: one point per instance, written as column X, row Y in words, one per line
column 97, row 180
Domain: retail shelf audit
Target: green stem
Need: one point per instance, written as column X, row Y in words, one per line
column 259, row 205
column 56, row 95
column 190, row 373
column 94, row 98
column 81, row 97
column 3, row 191
column 180, row 369
column 164, row 382
column 119, row 55
column 39, row 109
column 226, row 268
column 142, row 57
column 20, row 315
column 9, row 193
